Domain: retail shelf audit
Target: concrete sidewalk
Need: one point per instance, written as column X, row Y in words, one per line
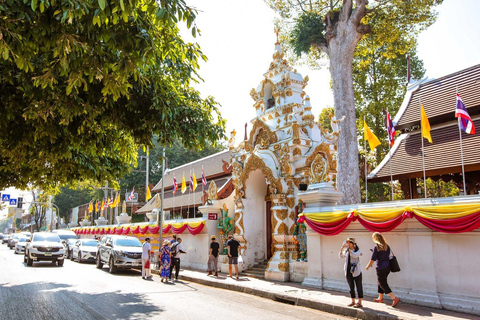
column 328, row 301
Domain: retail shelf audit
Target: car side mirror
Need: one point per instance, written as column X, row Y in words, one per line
column 28, row 240
column 108, row 244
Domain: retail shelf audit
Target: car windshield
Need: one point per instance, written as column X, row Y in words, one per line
column 89, row 243
column 22, row 239
column 46, row 237
column 131, row 242
column 67, row 236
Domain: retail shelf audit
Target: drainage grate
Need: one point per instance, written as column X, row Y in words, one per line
column 284, row 300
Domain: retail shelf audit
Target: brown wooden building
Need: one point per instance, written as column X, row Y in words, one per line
column 443, row 156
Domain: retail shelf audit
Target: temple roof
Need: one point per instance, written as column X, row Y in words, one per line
column 438, row 98
column 441, row 157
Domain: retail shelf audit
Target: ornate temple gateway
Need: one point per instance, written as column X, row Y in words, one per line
column 286, row 150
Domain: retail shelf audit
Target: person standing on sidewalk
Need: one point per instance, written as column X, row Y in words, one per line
column 381, row 254
column 232, row 246
column 353, row 271
column 165, row 258
column 213, row 257
column 146, row 252
column 176, row 251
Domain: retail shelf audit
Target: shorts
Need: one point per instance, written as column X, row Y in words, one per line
column 232, row 260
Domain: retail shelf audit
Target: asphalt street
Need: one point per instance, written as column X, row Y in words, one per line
column 80, row 291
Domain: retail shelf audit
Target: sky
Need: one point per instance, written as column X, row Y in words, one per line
column 238, row 39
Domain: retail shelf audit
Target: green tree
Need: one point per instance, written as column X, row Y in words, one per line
column 84, row 83
column 335, row 28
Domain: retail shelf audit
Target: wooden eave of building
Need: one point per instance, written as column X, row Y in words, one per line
column 214, row 166
column 443, row 156
column 439, row 99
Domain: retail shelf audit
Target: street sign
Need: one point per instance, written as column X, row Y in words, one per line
column 212, row 216
column 6, row 197
column 13, row 202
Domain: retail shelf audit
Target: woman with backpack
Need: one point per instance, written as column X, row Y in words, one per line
column 353, row 271
column 165, row 257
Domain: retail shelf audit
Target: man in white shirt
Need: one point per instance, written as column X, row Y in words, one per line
column 176, row 251
column 147, row 249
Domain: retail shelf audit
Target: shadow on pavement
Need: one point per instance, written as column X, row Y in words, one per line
column 50, row 300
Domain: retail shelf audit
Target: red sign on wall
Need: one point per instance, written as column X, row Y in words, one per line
column 212, row 216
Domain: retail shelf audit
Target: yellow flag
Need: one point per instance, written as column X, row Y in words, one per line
column 117, row 201
column 194, row 183
column 90, row 207
column 103, row 205
column 184, row 184
column 372, row 139
column 149, row 195
column 425, row 126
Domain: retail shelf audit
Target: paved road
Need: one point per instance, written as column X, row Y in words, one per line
column 80, row 291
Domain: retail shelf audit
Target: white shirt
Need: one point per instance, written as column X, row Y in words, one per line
column 179, row 247
column 146, row 248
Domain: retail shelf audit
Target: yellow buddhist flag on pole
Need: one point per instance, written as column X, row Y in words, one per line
column 425, row 126
column 368, row 135
column 184, row 184
column 149, row 195
column 90, row 207
column 194, row 182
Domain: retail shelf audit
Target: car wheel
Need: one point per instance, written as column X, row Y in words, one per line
column 60, row 262
column 99, row 263
column 71, row 255
column 29, row 261
column 25, row 257
column 111, row 266
column 79, row 258
column 15, row 252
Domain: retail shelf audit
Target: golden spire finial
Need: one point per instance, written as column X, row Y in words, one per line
column 277, row 31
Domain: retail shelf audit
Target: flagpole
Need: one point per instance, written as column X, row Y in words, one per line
column 461, row 152
column 189, row 192
column 389, row 154
column 181, row 202
column 365, row 148
column 201, row 198
column 423, row 153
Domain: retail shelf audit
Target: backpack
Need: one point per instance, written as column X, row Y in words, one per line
column 174, row 249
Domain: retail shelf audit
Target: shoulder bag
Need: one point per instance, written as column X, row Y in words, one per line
column 394, row 266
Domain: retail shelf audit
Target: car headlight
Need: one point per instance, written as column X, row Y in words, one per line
column 119, row 253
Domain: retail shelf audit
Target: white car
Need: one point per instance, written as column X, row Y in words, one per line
column 20, row 245
column 44, row 246
column 84, row 250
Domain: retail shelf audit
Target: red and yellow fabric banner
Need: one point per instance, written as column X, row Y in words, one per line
column 442, row 218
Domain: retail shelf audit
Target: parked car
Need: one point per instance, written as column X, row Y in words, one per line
column 64, row 236
column 119, row 252
column 13, row 240
column 44, row 246
column 21, row 244
column 69, row 247
column 1, row 236
column 6, row 238
column 84, row 250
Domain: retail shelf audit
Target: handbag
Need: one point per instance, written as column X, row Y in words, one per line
column 394, row 266
column 353, row 267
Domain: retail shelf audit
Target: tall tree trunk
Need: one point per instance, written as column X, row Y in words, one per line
column 341, row 47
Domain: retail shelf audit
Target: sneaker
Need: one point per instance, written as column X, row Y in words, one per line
column 209, row 273
column 216, row 274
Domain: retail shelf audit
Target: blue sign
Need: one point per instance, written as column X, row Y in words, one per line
column 13, row 202
column 5, row 197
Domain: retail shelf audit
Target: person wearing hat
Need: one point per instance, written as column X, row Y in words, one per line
column 213, row 257
column 353, row 271
column 146, row 252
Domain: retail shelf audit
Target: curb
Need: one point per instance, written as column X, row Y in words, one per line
column 365, row 313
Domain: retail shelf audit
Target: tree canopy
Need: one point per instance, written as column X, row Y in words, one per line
column 336, row 29
column 84, row 83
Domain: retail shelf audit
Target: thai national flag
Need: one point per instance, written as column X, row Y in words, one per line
column 132, row 195
column 466, row 123
column 390, row 129
column 204, row 180
column 191, row 183
column 175, row 185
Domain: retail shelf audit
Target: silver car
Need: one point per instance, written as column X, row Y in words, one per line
column 44, row 246
column 84, row 250
column 20, row 245
column 119, row 252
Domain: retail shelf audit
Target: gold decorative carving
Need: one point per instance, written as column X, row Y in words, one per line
column 281, row 214
column 212, row 191
column 260, row 125
column 297, row 152
column 282, row 228
column 284, row 255
column 284, row 266
column 290, row 202
column 319, row 169
column 325, row 149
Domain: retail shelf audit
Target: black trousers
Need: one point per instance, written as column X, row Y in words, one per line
column 355, row 281
column 175, row 263
column 382, row 275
